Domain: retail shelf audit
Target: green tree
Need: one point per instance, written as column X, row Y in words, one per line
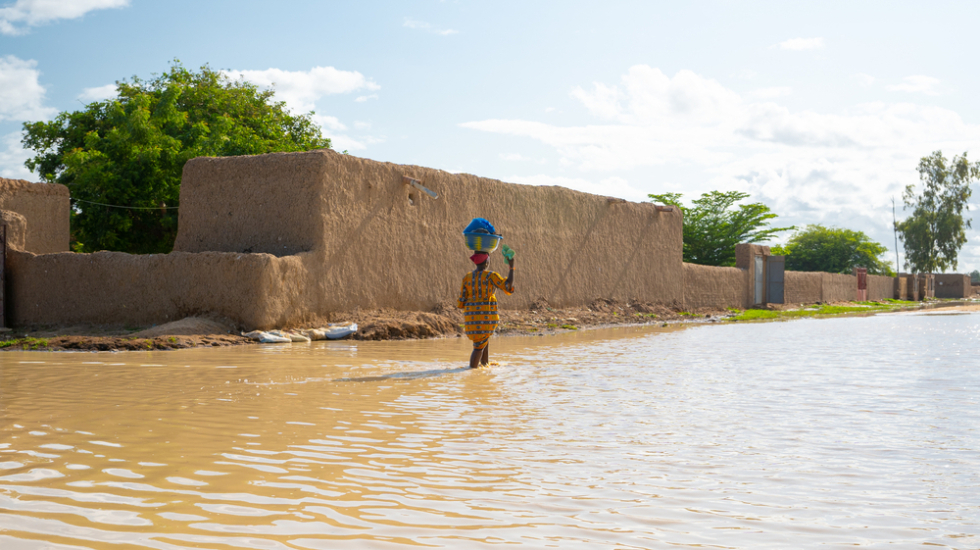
column 936, row 231
column 712, row 227
column 130, row 150
column 834, row 250
column 975, row 277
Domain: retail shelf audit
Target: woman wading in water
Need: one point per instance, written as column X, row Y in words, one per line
column 478, row 300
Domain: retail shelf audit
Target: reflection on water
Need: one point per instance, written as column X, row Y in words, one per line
column 779, row 435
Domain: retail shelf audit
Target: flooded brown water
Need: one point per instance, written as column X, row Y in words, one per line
column 813, row 433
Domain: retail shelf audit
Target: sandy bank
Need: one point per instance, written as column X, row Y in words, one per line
column 445, row 321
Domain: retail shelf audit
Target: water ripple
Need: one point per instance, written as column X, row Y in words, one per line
column 780, row 435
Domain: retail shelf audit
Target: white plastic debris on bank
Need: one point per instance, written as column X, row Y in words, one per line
column 332, row 332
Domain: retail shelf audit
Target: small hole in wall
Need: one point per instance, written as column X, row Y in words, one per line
column 412, row 199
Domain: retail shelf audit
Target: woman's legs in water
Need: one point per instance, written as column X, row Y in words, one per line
column 480, row 357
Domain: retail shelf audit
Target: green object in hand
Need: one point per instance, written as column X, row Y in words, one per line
column 508, row 252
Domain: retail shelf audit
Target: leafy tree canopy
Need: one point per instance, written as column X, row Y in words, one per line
column 936, row 231
column 130, row 151
column 975, row 277
column 714, row 224
column 833, row 250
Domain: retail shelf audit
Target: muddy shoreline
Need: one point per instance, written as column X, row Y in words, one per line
column 445, row 321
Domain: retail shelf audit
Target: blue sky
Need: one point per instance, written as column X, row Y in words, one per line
column 821, row 110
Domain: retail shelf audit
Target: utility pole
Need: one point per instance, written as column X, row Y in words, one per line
column 895, row 228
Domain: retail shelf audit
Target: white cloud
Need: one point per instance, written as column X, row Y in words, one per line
column 99, row 93
column 23, row 14
column 423, row 26
column 301, row 89
column 865, row 80
column 329, row 122
column 839, row 168
column 362, row 125
column 12, row 157
column 342, row 142
column 363, row 98
column 512, row 156
column 916, row 84
column 801, row 44
column 21, row 95
column 772, row 93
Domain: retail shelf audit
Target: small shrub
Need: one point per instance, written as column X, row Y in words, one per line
column 25, row 343
column 569, row 327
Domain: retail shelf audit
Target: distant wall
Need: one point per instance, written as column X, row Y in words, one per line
column 880, row 287
column 927, row 285
column 45, row 208
column 803, row 287
column 953, row 285
column 913, row 286
column 708, row 287
column 901, row 288
column 838, row 287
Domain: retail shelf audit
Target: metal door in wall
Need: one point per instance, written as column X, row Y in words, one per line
column 862, row 280
column 775, row 279
column 759, row 281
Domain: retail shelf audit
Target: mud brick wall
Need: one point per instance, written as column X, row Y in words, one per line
column 803, row 287
column 113, row 288
column 953, row 285
column 45, row 208
column 377, row 242
column 838, row 287
column 709, row 287
column 880, row 287
column 283, row 239
column 901, row 288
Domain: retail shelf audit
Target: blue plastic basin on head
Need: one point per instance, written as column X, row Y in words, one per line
column 481, row 242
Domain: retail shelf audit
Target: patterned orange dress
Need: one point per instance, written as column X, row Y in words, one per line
column 478, row 300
